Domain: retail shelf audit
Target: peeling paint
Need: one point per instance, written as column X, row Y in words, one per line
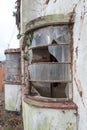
column 78, row 84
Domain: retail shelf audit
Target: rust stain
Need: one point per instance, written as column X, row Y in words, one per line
column 47, row 1
column 79, row 86
column 12, row 83
column 24, row 40
column 72, row 15
column 71, row 47
column 76, row 50
column 76, row 113
column 63, row 111
column 50, row 104
column 75, row 70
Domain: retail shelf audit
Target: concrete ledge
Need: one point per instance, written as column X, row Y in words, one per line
column 8, row 51
column 57, row 19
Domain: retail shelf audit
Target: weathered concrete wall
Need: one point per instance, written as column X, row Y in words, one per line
column 13, row 65
column 12, row 97
column 36, row 118
column 78, row 8
column 12, row 84
column 80, row 63
column 30, row 10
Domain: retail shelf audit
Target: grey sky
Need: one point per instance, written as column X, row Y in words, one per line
column 8, row 29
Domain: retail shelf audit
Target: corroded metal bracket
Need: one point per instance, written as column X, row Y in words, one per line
column 49, row 20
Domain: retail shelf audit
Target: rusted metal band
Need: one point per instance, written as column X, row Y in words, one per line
column 8, row 51
column 50, row 103
column 45, row 46
column 38, row 63
column 13, row 83
column 51, row 81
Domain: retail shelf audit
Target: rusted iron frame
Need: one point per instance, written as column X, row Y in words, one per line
column 36, row 63
column 71, row 56
column 42, row 46
column 51, row 81
column 47, row 99
column 12, row 82
column 42, row 103
column 8, row 51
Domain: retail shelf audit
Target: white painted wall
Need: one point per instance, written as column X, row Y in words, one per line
column 30, row 11
column 36, row 118
column 80, row 63
column 12, row 97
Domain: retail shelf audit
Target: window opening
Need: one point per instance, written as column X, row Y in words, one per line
column 50, row 62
